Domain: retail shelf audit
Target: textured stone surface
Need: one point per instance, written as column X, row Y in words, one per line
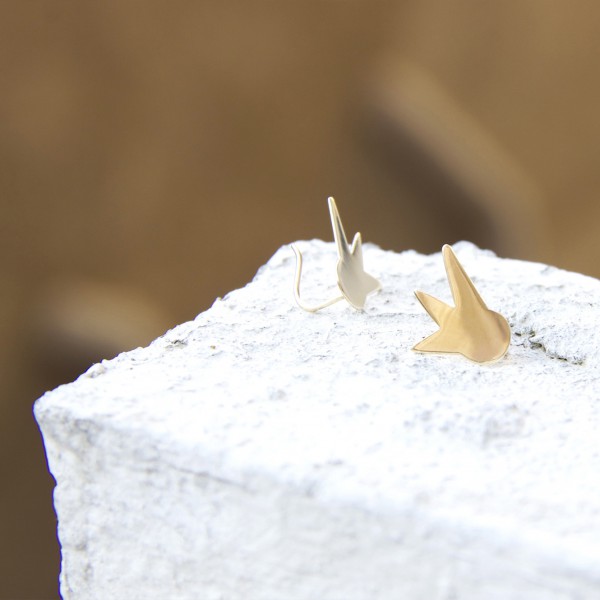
column 261, row 452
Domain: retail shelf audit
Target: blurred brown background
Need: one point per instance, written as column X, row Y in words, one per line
column 154, row 154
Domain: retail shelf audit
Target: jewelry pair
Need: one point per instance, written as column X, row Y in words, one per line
column 469, row 327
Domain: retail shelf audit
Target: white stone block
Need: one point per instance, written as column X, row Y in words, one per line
column 261, row 452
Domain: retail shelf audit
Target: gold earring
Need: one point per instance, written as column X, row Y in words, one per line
column 354, row 283
column 470, row 328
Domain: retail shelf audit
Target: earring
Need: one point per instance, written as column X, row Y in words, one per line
column 470, row 328
column 354, row 283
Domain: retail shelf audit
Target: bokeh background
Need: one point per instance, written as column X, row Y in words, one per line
column 153, row 154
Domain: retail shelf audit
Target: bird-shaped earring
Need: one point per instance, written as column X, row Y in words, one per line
column 354, row 283
column 470, row 328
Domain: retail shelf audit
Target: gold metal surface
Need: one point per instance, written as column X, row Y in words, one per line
column 354, row 283
column 469, row 328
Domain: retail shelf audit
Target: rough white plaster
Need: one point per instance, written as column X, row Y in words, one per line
column 261, row 452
